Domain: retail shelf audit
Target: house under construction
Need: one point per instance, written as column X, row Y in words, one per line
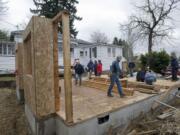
column 57, row 106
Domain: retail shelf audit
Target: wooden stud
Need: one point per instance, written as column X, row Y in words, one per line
column 58, row 17
column 56, row 73
column 67, row 68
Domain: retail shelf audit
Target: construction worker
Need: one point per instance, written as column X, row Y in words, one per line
column 79, row 70
column 114, row 77
column 174, row 66
column 150, row 77
column 90, row 68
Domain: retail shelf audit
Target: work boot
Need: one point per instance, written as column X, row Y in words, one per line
column 110, row 95
column 122, row 95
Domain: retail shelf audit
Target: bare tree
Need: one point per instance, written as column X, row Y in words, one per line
column 154, row 20
column 131, row 36
column 99, row 37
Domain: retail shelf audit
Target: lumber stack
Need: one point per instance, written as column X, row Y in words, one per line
column 124, row 82
column 105, row 85
column 144, row 88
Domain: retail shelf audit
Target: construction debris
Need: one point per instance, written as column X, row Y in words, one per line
column 162, row 122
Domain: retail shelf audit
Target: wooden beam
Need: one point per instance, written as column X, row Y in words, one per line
column 56, row 73
column 67, row 68
column 147, row 91
column 58, row 17
column 162, row 103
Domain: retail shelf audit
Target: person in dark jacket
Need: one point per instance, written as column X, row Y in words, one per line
column 79, row 70
column 141, row 75
column 131, row 66
column 90, row 68
column 174, row 66
column 114, row 77
column 95, row 67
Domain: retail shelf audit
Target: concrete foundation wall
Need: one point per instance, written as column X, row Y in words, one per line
column 117, row 118
column 20, row 95
column 40, row 127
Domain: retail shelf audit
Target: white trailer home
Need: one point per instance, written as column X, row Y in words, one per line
column 80, row 49
column 84, row 51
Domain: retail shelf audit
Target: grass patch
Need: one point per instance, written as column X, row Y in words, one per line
column 7, row 78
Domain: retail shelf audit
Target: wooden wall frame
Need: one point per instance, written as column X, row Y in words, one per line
column 41, row 77
column 64, row 18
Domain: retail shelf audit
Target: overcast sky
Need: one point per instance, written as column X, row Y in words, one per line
column 102, row 15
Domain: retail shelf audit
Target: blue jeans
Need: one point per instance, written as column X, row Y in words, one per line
column 78, row 77
column 115, row 79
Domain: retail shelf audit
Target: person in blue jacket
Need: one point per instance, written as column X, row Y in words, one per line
column 90, row 66
column 114, row 77
column 150, row 77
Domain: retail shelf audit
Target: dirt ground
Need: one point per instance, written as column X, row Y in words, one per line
column 12, row 117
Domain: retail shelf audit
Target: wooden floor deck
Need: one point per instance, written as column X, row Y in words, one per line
column 89, row 102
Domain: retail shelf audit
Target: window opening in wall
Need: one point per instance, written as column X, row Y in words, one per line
column 13, row 50
column 4, row 49
column 104, row 119
column 94, row 51
column 81, row 53
column 28, row 55
column 9, row 49
column 90, row 53
column 114, row 52
column 72, row 52
column 109, row 52
column 1, row 52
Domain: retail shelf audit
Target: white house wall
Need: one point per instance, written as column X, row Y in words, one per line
column 107, row 60
column 7, row 63
column 102, row 54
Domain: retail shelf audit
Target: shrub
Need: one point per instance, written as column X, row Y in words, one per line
column 158, row 61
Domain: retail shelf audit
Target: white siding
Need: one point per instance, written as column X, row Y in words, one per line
column 106, row 60
column 101, row 55
column 7, row 63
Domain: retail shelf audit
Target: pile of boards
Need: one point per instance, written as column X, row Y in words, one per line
column 128, row 87
column 144, row 88
column 103, row 84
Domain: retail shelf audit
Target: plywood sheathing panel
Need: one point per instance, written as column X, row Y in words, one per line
column 39, row 66
column 28, row 70
column 29, row 92
column 89, row 102
column 43, row 66
column 19, row 66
